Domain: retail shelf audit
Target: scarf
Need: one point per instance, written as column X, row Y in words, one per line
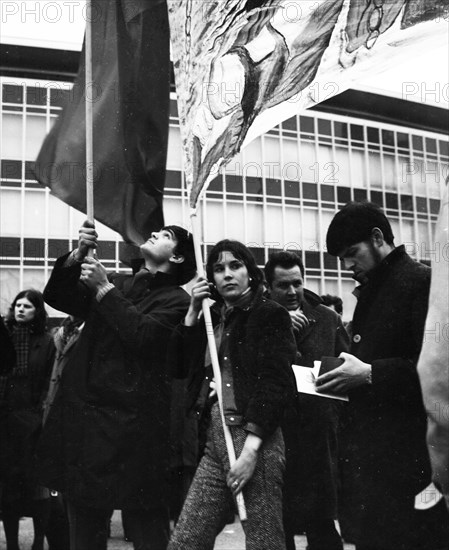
column 243, row 302
column 21, row 339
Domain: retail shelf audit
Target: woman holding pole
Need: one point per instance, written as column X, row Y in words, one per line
column 255, row 350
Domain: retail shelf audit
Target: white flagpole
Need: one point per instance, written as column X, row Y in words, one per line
column 214, row 357
column 89, row 116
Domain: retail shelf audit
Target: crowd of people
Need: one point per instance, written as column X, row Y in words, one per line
column 92, row 415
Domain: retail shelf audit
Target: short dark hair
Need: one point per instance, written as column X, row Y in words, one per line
column 242, row 253
column 331, row 300
column 285, row 259
column 354, row 223
column 39, row 323
column 184, row 247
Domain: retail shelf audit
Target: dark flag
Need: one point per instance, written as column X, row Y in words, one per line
column 130, row 95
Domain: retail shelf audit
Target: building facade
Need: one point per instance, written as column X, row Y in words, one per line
column 280, row 192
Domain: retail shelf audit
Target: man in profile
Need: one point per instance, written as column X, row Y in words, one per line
column 310, row 429
column 105, row 445
column 385, row 434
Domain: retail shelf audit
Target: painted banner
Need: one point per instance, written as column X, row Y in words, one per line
column 243, row 66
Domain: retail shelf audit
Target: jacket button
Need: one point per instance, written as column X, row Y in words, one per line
column 356, row 338
column 232, row 419
column 228, row 385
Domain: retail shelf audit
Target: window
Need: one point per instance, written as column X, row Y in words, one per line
column 254, row 186
column 343, row 194
column 341, row 131
column 271, row 162
column 12, row 135
column 12, row 94
column 60, row 96
column 373, row 137
column 290, row 125
column 174, row 156
column 388, row 140
column 307, row 125
column 327, row 193
column 356, row 133
column 36, row 95
column 11, row 170
column 291, row 189
column 36, row 130
column 10, row 209
column 418, row 143
column 358, row 168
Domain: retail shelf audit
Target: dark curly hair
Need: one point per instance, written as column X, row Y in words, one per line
column 39, row 323
column 354, row 223
column 242, row 253
column 285, row 259
column 184, row 247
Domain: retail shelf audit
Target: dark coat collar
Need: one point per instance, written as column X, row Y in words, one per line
column 157, row 280
column 310, row 303
column 311, row 300
column 133, row 285
column 395, row 256
column 137, row 264
column 377, row 276
column 256, row 298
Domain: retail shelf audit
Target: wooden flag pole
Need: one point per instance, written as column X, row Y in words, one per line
column 214, row 358
column 89, row 117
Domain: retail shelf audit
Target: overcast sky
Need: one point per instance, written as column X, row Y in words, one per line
column 61, row 23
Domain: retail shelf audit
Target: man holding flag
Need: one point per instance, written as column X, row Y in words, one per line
column 105, row 444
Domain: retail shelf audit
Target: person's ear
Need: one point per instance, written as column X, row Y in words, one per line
column 177, row 259
column 377, row 237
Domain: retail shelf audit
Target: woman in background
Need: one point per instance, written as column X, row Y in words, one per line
column 26, row 385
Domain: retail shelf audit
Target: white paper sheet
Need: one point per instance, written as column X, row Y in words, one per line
column 305, row 381
column 428, row 498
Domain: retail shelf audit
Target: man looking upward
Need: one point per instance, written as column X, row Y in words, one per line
column 105, row 445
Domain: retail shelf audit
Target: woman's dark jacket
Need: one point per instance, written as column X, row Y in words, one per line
column 262, row 350
column 21, row 420
column 106, row 440
column 8, row 353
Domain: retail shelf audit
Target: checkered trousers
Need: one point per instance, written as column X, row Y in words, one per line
column 209, row 501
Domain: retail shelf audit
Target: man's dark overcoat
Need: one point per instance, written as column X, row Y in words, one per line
column 385, row 432
column 311, row 432
column 106, row 440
